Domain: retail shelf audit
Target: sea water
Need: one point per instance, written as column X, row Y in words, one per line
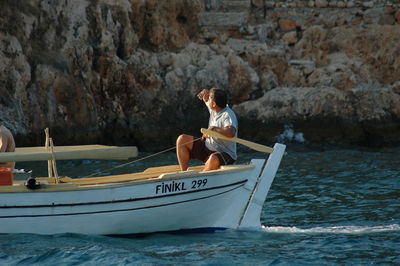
column 331, row 207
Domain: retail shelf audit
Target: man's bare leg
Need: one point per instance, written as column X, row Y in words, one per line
column 212, row 163
column 184, row 144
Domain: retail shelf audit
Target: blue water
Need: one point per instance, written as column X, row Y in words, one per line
column 336, row 207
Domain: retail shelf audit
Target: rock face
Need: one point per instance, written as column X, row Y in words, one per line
column 127, row 72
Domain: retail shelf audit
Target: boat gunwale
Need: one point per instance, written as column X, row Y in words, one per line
column 75, row 185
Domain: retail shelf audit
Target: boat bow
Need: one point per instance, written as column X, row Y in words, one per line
column 251, row 217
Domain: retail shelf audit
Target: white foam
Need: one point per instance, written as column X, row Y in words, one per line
column 334, row 229
column 290, row 135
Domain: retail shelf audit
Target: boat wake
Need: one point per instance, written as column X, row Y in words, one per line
column 333, row 229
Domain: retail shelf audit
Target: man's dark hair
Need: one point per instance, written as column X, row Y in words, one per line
column 220, row 97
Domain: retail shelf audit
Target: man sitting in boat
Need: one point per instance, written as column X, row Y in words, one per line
column 211, row 151
column 7, row 144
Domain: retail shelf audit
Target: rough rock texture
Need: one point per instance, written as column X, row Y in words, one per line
column 359, row 115
column 127, row 72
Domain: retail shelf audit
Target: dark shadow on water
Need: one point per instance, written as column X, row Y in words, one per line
column 206, row 230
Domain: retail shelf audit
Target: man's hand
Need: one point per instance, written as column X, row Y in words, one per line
column 203, row 95
column 206, row 136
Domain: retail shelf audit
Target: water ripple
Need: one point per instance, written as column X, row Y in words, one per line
column 334, row 229
column 337, row 207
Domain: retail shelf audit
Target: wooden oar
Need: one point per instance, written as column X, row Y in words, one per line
column 252, row 145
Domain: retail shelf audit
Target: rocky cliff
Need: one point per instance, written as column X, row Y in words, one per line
column 127, row 72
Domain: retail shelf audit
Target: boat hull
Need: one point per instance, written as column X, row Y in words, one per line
column 231, row 197
column 187, row 203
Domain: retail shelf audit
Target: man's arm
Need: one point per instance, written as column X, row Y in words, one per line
column 204, row 95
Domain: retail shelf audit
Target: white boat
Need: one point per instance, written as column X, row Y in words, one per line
column 158, row 199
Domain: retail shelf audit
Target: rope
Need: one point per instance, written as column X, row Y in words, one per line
column 141, row 159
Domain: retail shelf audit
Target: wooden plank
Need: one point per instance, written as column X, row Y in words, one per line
column 149, row 173
column 69, row 184
column 252, row 145
column 44, row 188
column 152, row 174
column 100, row 152
column 112, row 179
column 166, row 168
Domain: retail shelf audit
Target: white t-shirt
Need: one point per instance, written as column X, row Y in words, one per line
column 224, row 118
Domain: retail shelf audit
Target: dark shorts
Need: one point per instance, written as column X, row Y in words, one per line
column 201, row 152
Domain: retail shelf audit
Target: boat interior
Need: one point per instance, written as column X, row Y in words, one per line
column 55, row 182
